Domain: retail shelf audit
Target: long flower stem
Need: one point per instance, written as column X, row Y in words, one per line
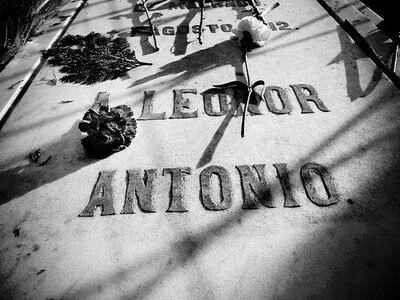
column 150, row 24
column 247, row 69
column 256, row 12
column 201, row 2
column 249, row 92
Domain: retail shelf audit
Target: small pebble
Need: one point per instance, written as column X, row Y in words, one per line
column 35, row 155
column 16, row 232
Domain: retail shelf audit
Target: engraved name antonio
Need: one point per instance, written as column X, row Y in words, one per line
column 256, row 191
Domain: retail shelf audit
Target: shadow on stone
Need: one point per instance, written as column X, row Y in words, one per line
column 66, row 156
column 350, row 55
column 181, row 38
column 224, row 53
column 346, row 258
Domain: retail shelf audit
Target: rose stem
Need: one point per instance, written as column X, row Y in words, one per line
column 151, row 24
column 249, row 92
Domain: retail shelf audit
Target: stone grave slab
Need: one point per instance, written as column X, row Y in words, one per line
column 304, row 205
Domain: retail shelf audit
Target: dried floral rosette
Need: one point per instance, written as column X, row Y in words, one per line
column 109, row 130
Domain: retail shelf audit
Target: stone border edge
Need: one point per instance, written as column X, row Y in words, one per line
column 24, row 85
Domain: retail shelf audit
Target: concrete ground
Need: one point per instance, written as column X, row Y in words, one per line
column 329, row 228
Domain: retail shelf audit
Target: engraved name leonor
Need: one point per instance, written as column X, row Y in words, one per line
column 217, row 103
column 256, row 191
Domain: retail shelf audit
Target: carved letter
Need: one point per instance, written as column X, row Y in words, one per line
column 284, row 179
column 252, row 109
column 225, row 185
column 327, row 180
column 177, row 188
column 254, row 187
column 141, row 30
column 208, row 106
column 212, row 27
column 140, row 188
column 147, row 112
column 102, row 196
column 303, row 98
column 226, row 27
column 286, row 106
column 168, row 30
column 172, row 5
column 216, row 3
column 242, row 3
column 191, row 5
column 196, row 28
column 181, row 103
column 240, row 97
column 138, row 7
column 272, row 26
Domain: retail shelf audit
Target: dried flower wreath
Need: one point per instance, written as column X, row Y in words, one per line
column 109, row 129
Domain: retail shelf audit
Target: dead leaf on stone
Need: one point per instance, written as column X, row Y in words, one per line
column 11, row 87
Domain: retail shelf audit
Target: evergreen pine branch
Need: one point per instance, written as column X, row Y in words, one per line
column 92, row 58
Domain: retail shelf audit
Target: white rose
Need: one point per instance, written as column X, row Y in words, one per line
column 257, row 29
